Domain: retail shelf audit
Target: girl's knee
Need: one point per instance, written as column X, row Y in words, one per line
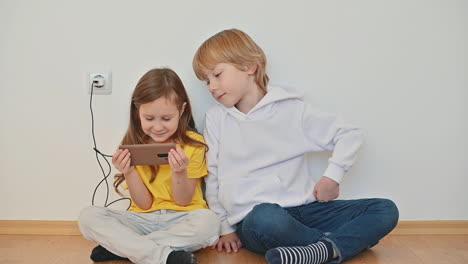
column 212, row 219
column 86, row 219
column 88, row 216
column 209, row 222
column 206, row 226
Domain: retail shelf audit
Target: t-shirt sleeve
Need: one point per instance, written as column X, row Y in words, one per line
column 197, row 166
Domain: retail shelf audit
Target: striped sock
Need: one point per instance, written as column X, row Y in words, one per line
column 317, row 253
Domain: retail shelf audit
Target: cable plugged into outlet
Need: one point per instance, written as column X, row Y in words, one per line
column 101, row 83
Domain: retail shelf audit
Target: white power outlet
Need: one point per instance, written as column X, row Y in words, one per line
column 101, row 83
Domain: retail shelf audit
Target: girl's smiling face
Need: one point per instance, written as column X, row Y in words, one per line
column 160, row 119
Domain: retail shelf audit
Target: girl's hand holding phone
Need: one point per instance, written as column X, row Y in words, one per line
column 121, row 160
column 178, row 160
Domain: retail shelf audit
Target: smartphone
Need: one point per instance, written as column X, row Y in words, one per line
column 149, row 154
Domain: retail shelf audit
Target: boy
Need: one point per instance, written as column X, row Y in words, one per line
column 258, row 181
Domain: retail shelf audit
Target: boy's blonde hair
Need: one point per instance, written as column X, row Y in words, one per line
column 236, row 48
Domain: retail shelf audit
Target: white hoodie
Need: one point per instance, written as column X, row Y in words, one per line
column 259, row 157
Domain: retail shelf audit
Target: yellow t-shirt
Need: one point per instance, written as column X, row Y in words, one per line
column 161, row 187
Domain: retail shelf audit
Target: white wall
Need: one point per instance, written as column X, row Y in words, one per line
column 396, row 68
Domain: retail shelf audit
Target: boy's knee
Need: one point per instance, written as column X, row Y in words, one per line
column 265, row 209
column 391, row 211
column 389, row 206
column 263, row 218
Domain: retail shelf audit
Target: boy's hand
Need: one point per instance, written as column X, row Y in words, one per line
column 121, row 161
column 326, row 190
column 230, row 242
column 178, row 160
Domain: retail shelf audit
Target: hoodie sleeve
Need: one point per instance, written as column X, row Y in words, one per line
column 211, row 181
column 326, row 132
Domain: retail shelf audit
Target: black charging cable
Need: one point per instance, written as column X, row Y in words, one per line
column 103, row 156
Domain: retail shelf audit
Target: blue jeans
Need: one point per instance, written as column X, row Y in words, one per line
column 350, row 225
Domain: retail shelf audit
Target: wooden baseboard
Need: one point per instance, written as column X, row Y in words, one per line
column 69, row 228
column 34, row 227
column 445, row 227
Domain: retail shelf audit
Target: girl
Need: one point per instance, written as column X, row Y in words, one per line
column 270, row 204
column 168, row 218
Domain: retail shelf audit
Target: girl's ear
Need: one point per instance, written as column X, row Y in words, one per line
column 182, row 109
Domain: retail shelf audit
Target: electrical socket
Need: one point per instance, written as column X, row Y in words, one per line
column 102, row 83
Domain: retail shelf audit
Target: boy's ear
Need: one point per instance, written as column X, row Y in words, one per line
column 251, row 68
column 182, row 109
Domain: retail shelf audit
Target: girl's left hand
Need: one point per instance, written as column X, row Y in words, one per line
column 178, row 160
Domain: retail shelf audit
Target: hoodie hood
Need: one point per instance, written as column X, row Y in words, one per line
column 265, row 106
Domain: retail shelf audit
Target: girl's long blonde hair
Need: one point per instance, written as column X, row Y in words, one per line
column 158, row 83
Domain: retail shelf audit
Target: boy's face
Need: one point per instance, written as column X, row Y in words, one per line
column 229, row 85
column 160, row 119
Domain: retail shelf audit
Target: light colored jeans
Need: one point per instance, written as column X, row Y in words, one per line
column 149, row 237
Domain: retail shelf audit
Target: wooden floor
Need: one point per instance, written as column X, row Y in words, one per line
column 437, row 249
